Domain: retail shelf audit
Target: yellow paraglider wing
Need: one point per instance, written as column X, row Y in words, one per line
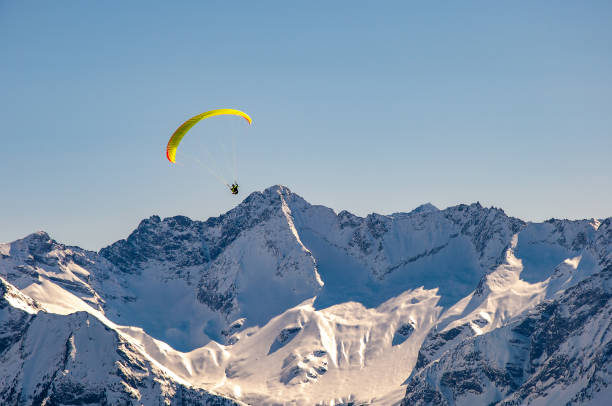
column 180, row 132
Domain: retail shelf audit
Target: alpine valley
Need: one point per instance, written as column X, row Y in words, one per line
column 280, row 302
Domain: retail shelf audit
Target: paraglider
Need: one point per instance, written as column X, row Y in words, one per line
column 180, row 132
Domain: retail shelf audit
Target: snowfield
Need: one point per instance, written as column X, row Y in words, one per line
column 282, row 302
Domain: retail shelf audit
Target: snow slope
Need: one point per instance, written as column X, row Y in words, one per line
column 73, row 359
column 557, row 353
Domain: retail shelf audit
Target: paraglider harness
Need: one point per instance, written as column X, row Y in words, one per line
column 234, row 188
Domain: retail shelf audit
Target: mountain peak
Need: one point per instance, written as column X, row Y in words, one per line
column 39, row 243
column 38, row 236
column 425, row 208
column 277, row 189
column 272, row 193
column 270, row 196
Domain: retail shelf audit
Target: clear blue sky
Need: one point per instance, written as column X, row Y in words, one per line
column 364, row 106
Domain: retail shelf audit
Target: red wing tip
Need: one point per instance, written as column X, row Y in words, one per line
column 168, row 156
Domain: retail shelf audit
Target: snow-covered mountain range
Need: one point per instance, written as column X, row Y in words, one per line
column 282, row 302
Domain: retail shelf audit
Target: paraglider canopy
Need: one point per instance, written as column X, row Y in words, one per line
column 180, row 132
